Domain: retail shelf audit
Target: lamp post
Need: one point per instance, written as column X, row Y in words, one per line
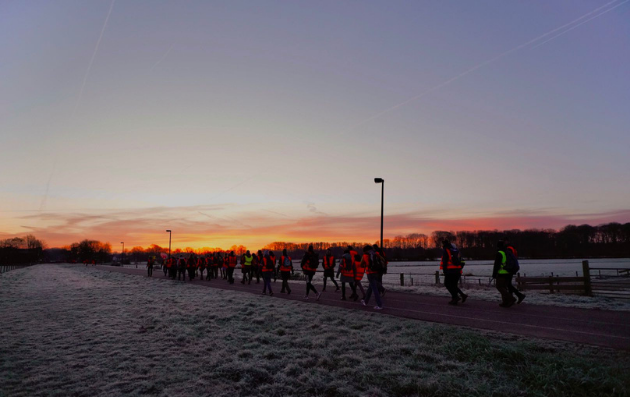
column 122, row 256
column 169, row 243
column 382, row 182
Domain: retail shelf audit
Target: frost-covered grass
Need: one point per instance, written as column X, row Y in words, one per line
column 71, row 330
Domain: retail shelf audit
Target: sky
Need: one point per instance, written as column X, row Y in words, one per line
column 247, row 122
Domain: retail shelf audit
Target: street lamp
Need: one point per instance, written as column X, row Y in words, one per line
column 122, row 256
column 169, row 243
column 382, row 182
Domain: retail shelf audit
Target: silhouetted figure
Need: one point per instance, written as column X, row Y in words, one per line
column 502, row 276
column 309, row 265
column 329, row 269
column 451, row 265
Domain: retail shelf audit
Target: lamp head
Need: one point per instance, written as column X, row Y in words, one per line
column 168, row 231
column 379, row 180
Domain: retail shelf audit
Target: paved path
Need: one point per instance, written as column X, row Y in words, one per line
column 593, row 327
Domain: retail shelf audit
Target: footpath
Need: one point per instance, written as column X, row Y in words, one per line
column 593, row 327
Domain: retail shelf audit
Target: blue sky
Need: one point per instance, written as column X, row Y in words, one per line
column 262, row 108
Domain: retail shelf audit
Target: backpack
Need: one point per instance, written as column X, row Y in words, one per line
column 269, row 263
column 314, row 261
column 511, row 263
column 377, row 263
column 456, row 258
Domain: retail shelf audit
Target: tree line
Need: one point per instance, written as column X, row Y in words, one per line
column 21, row 250
column 611, row 240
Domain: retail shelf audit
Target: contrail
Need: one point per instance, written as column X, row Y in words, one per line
column 489, row 61
column 163, row 58
column 87, row 72
column 581, row 23
column 45, row 198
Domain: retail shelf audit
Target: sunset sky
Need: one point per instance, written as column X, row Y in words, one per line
column 247, row 122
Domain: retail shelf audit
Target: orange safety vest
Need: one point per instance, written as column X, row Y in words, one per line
column 284, row 268
column 232, row 261
column 268, row 264
column 449, row 263
column 361, row 268
column 329, row 262
column 307, row 266
column 346, row 268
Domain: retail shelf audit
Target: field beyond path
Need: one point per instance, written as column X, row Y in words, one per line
column 594, row 327
column 72, row 330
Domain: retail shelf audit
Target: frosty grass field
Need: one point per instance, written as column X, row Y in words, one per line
column 70, row 330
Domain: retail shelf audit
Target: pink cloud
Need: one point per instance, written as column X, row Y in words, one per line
column 207, row 228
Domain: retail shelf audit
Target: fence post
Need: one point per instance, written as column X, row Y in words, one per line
column 437, row 277
column 551, row 284
column 402, row 279
column 587, row 278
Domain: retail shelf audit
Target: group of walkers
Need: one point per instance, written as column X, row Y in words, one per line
column 351, row 269
column 505, row 267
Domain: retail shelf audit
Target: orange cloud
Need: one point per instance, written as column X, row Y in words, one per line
column 206, row 226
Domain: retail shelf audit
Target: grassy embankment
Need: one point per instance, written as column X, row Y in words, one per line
column 70, row 330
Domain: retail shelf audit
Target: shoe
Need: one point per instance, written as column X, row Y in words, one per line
column 464, row 297
column 264, row 293
column 289, row 293
column 282, row 292
column 363, row 302
column 306, row 298
column 452, row 302
column 520, row 299
column 318, row 295
column 324, row 290
column 355, row 298
column 271, row 294
column 378, row 307
column 337, row 290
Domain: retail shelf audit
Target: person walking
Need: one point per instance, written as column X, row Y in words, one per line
column 256, row 264
column 216, row 263
column 512, row 255
column 370, row 259
column 150, row 262
column 309, row 265
column 172, row 267
column 267, row 272
column 272, row 256
column 360, row 266
column 181, row 268
column 502, row 276
column 192, row 266
column 231, row 265
column 329, row 269
column 348, row 273
column 451, row 266
column 382, row 272
column 201, row 266
column 164, row 266
column 246, row 264
column 285, row 269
